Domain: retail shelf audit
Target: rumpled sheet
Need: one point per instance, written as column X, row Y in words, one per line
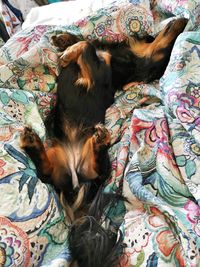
column 155, row 150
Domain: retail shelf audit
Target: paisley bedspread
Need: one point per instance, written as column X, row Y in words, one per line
column 155, row 150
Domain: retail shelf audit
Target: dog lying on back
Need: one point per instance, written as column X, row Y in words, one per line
column 77, row 163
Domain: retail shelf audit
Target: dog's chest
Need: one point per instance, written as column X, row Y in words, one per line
column 79, row 157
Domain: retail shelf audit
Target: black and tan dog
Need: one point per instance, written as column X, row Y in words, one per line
column 77, row 163
column 77, row 160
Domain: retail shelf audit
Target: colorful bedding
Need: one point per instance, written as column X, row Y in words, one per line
column 155, row 150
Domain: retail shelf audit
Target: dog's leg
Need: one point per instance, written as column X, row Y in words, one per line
column 164, row 40
column 101, row 136
column 100, row 139
column 84, row 54
column 31, row 143
column 72, row 53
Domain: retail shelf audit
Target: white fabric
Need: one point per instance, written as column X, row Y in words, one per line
column 63, row 13
column 23, row 5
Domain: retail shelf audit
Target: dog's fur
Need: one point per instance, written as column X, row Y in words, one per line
column 78, row 158
column 139, row 59
column 77, row 163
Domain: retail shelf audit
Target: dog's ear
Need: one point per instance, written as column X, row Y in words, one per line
column 103, row 201
column 91, row 245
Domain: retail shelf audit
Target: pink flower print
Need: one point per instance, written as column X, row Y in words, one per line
column 193, row 215
column 2, row 164
column 185, row 115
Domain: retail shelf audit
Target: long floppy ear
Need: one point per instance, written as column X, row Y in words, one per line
column 166, row 38
column 91, row 245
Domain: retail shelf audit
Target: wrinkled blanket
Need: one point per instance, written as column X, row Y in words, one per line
column 155, row 150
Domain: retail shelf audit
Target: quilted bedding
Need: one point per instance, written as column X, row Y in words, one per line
column 155, row 149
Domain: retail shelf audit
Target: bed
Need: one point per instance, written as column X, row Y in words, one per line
column 155, row 144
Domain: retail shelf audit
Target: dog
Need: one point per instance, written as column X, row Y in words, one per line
column 77, row 162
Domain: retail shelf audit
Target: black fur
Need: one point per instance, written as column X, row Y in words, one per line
column 93, row 246
column 78, row 106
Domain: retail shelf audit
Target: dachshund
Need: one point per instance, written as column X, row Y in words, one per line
column 77, row 162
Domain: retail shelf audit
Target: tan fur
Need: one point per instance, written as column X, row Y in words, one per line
column 162, row 40
column 69, row 212
column 105, row 55
column 88, row 160
column 85, row 74
column 79, row 199
column 72, row 53
column 35, row 141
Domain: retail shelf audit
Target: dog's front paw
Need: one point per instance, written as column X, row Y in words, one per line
column 29, row 139
column 65, row 59
column 62, row 41
column 72, row 53
column 101, row 135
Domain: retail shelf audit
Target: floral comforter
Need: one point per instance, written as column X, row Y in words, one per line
column 155, row 149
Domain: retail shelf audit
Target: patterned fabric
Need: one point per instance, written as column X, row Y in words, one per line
column 13, row 13
column 1, row 42
column 155, row 149
column 24, row 6
column 12, row 23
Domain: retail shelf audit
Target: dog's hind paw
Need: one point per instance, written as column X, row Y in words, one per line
column 102, row 135
column 29, row 139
